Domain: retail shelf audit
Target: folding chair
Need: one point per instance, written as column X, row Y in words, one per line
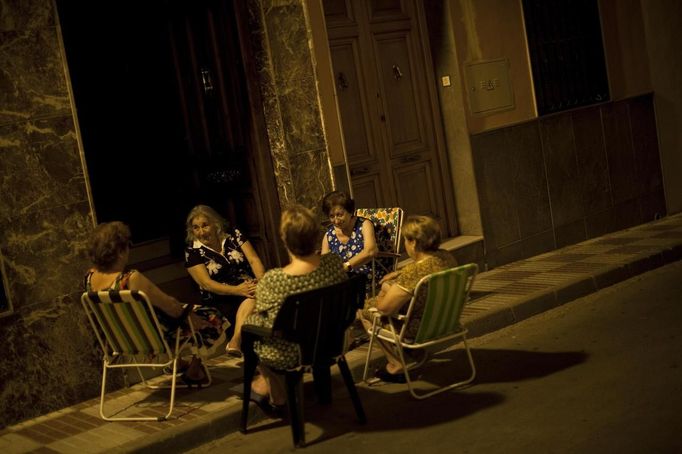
column 130, row 335
column 317, row 321
column 387, row 224
column 445, row 294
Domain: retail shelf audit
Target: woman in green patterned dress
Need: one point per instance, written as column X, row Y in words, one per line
column 307, row 270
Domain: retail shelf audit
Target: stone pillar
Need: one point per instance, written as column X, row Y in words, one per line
column 286, row 67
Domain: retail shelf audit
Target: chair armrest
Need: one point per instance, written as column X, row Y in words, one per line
column 377, row 313
column 386, row 254
column 259, row 331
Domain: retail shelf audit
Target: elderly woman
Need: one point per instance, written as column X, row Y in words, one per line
column 422, row 240
column 225, row 266
column 348, row 236
column 307, row 270
column 108, row 251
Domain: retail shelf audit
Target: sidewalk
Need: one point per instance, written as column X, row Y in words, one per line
column 503, row 296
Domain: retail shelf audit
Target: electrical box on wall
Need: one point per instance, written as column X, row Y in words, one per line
column 488, row 86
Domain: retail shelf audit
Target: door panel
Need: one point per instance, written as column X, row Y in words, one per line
column 412, row 181
column 395, row 158
column 403, row 114
column 351, row 94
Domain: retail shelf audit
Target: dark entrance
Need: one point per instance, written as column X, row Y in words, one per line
column 164, row 110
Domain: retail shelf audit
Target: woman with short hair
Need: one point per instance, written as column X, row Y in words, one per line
column 348, row 236
column 109, row 250
column 307, row 270
column 422, row 237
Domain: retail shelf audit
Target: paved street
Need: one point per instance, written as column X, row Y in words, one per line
column 600, row 374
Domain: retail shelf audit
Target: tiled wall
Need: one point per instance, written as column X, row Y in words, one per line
column 565, row 178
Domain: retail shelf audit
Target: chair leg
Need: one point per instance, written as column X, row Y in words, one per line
column 138, row 418
column 372, row 336
column 352, row 390
column 250, row 362
column 294, row 384
column 453, row 385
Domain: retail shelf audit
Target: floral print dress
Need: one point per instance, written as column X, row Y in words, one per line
column 228, row 266
column 354, row 245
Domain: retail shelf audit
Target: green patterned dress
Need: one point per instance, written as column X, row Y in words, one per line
column 271, row 292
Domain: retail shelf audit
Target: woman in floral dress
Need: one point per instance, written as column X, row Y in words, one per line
column 225, row 266
column 348, row 236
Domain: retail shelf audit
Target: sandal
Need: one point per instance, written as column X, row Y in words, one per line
column 265, row 405
column 385, row 376
column 233, row 352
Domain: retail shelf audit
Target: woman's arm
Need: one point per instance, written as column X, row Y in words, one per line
column 254, row 260
column 162, row 300
column 200, row 275
column 369, row 250
column 325, row 244
column 392, row 299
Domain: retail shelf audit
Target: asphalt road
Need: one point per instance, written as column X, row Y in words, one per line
column 599, row 374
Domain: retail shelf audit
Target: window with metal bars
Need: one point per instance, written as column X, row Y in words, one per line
column 566, row 53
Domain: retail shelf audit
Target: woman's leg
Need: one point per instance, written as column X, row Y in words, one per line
column 394, row 365
column 269, row 383
column 245, row 309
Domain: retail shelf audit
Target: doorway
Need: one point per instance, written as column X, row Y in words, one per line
column 384, row 84
column 166, row 117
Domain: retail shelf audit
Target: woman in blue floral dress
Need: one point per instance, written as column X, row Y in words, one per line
column 225, row 266
column 350, row 237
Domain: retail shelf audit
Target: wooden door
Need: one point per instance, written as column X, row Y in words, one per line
column 227, row 167
column 388, row 108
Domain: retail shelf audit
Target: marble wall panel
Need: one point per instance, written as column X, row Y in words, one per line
column 32, row 81
column 618, row 141
column 290, row 100
column 40, row 166
column 44, row 253
column 313, row 179
column 53, row 360
column 495, row 176
column 565, row 188
column 593, row 167
column 301, row 118
column 572, row 233
column 652, row 205
column 25, row 14
column 530, row 179
column 527, row 247
column 645, row 145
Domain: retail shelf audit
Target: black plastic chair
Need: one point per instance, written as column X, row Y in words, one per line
column 316, row 320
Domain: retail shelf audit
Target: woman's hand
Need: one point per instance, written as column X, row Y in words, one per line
column 390, row 276
column 246, row 289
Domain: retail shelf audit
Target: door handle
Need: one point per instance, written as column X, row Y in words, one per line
column 410, row 158
column 359, row 171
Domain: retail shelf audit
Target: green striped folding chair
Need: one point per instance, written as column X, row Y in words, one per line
column 446, row 293
column 130, row 336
